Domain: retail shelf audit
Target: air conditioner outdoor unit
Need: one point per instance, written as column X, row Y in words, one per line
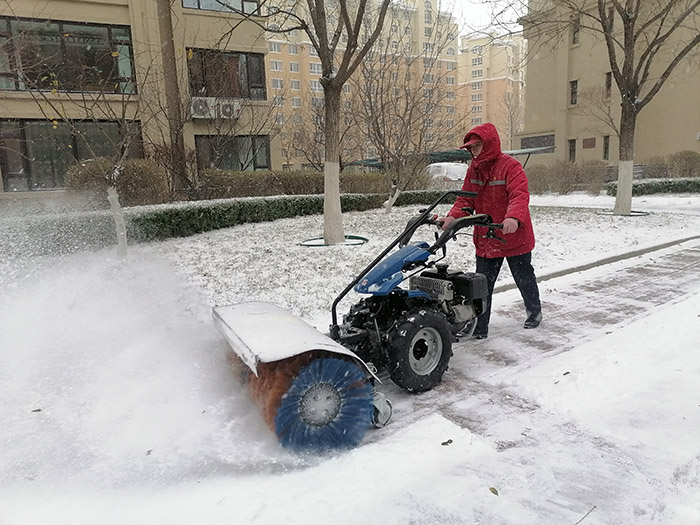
column 229, row 109
column 203, row 107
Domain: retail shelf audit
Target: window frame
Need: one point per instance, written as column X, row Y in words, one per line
column 135, row 149
column 115, row 44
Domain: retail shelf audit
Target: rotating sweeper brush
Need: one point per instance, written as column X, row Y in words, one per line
column 318, row 392
column 313, row 393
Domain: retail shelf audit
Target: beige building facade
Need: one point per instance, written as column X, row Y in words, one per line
column 86, row 78
column 573, row 105
column 416, row 56
column 492, row 88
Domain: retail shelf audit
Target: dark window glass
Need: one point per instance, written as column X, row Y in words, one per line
column 245, row 6
column 576, row 30
column 573, row 92
column 538, row 141
column 606, row 147
column 227, row 75
column 65, row 56
column 36, row 154
column 572, row 150
column 236, row 153
column 14, row 169
column 50, row 153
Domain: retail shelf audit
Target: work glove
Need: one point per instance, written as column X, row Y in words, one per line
column 446, row 221
column 510, row 225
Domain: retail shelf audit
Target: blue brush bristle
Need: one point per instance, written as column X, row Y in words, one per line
column 348, row 428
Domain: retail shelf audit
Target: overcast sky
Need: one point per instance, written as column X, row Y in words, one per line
column 472, row 15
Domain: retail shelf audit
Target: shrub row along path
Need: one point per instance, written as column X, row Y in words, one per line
column 594, row 472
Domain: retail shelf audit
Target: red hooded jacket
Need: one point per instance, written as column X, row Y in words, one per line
column 501, row 185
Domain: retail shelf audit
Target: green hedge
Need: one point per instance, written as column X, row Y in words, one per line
column 196, row 217
column 649, row 186
column 221, row 184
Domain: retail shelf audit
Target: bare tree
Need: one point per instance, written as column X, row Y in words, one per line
column 645, row 41
column 342, row 32
column 405, row 98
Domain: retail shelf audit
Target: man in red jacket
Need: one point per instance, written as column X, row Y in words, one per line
column 501, row 185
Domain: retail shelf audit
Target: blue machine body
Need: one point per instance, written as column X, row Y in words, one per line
column 388, row 274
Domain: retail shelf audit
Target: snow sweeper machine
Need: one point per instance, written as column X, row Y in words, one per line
column 318, row 391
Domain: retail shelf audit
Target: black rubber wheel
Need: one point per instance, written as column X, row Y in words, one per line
column 420, row 350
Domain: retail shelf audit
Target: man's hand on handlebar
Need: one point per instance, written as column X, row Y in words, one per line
column 446, row 221
column 510, row 225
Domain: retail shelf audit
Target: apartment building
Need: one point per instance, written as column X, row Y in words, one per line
column 493, row 86
column 572, row 101
column 415, row 57
column 86, row 78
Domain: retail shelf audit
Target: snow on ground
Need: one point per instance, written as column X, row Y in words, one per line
column 118, row 406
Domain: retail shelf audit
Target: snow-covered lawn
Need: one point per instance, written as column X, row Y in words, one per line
column 117, row 405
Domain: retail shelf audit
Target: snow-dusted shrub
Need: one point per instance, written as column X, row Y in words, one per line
column 649, row 186
column 684, row 164
column 138, row 181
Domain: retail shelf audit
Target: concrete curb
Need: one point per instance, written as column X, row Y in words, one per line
column 601, row 262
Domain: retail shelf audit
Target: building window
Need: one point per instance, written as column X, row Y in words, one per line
column 316, row 86
column 235, row 153
column 477, row 73
column 294, row 67
column 606, row 147
column 608, row 84
column 477, row 97
column 227, row 75
column 275, row 47
column 275, row 65
column 428, row 31
column 476, row 86
column 315, row 68
column 279, row 118
column 449, row 110
column 576, row 30
column 36, row 154
column 477, row 50
column 538, row 141
column 450, row 51
column 312, row 51
column 245, row 6
column 477, row 61
column 295, row 85
column 428, row 78
column 277, row 83
column 476, row 121
column 573, row 92
column 278, row 101
column 450, row 66
column 476, row 109
column 428, row 47
column 572, row 150
column 293, row 49
column 296, row 102
column 346, row 89
column 450, row 81
column 62, row 56
column 450, row 95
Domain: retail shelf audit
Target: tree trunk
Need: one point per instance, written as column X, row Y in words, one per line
column 172, row 95
column 332, row 213
column 628, row 123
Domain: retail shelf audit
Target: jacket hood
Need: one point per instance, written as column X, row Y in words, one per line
column 492, row 142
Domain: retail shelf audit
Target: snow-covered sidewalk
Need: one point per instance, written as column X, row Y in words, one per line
column 118, row 407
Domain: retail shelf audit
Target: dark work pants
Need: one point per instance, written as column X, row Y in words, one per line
column 524, row 276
